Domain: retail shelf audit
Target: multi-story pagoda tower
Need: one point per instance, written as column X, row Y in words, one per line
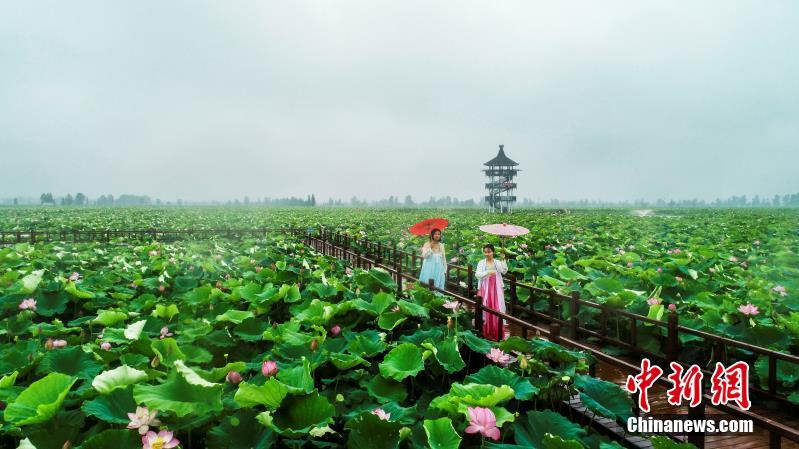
column 501, row 185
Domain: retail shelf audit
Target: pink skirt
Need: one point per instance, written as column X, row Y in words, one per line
column 493, row 298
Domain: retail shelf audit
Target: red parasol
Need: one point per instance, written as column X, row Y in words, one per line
column 424, row 227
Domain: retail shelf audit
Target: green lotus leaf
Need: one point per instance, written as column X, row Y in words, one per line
column 113, row 407
column 367, row 431
column 183, row 393
column 366, row 344
column 115, row 438
column 73, row 290
column 109, row 318
column 494, row 375
column 347, row 361
column 72, row 361
column 403, row 361
column 531, row 432
column 604, row 398
column 119, row 377
column 133, row 331
column 297, row 415
column 270, row 394
column 241, row 431
column 234, row 316
column 167, row 351
column 448, row 356
column 386, row 390
column 297, row 379
column 40, row 401
column 165, row 312
column 556, row 442
column 441, row 434
column 29, row 283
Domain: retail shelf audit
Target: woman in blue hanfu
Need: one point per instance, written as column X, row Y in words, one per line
column 434, row 261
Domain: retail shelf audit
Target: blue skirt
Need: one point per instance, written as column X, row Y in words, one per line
column 433, row 268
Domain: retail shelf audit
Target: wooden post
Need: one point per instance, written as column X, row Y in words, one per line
column 398, row 268
column 772, row 375
column 469, row 281
column 379, row 255
column 672, row 338
column 697, row 413
column 514, row 298
column 551, row 303
column 478, row 315
column 431, row 285
column 574, row 322
column 774, row 440
column 554, row 332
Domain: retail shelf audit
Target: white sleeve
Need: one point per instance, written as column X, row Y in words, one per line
column 481, row 270
column 426, row 251
column 502, row 266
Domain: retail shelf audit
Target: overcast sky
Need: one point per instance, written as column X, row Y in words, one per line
column 217, row 100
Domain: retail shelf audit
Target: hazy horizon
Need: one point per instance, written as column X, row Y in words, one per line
column 201, row 101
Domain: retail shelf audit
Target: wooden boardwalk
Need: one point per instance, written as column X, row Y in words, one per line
column 759, row 439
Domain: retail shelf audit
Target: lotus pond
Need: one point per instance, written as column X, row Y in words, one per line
column 262, row 343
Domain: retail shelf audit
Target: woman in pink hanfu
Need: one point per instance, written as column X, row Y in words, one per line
column 490, row 286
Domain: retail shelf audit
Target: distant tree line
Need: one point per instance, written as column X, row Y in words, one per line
column 80, row 199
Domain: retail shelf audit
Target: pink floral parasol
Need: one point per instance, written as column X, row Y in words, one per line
column 504, row 229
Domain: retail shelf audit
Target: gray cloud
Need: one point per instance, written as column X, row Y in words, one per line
column 213, row 100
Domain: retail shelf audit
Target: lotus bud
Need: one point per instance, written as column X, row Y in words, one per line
column 227, row 277
column 269, row 368
column 258, row 269
column 314, row 344
column 218, row 284
column 67, row 445
column 106, row 346
column 161, row 288
column 233, row 378
column 523, row 362
column 155, row 362
column 672, row 307
column 450, row 323
column 335, row 330
column 339, row 397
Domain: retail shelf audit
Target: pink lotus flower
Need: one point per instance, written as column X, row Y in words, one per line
column 780, row 289
column 133, row 285
column 744, row 264
column 348, row 271
column 654, row 301
column 28, row 304
column 462, row 251
column 258, row 269
column 269, row 368
column 191, row 267
column 335, row 330
column 452, row 305
column 106, row 346
column 757, row 242
column 453, row 260
column 629, row 264
column 165, row 332
column 162, row 440
column 679, row 279
column 669, row 252
column 54, row 344
column 672, row 307
column 631, row 247
column 677, row 250
column 523, row 246
column 482, row 420
column 74, row 276
column 548, row 247
column 748, row 310
column 733, row 259
column 711, row 269
column 382, row 414
column 660, row 270
column 143, row 419
column 161, row 288
column 152, row 253
column 233, row 378
column 499, row 356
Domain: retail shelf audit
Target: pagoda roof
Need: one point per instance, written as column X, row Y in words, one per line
column 501, row 159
